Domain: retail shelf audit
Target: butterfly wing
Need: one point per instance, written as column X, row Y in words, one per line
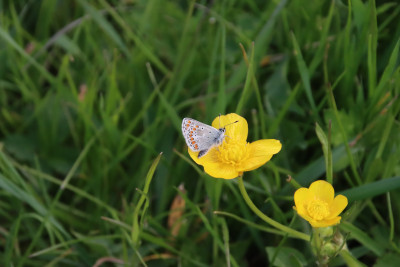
column 199, row 136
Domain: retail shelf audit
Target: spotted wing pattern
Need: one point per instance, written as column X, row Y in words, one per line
column 200, row 136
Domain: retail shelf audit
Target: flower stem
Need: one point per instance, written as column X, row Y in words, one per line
column 290, row 231
column 293, row 182
column 350, row 260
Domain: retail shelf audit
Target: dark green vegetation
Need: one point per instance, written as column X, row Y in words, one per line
column 92, row 91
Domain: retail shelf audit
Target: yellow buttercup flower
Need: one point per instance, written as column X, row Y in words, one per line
column 235, row 155
column 318, row 205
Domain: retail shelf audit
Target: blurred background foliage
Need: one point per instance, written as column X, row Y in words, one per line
column 92, row 91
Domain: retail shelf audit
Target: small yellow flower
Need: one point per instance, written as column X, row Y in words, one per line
column 235, row 155
column 318, row 205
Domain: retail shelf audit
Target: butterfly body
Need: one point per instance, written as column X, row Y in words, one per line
column 201, row 137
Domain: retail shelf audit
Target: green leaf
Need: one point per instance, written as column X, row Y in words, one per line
column 286, row 256
column 388, row 260
column 372, row 189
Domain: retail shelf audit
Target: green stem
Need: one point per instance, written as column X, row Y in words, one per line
column 349, row 259
column 293, row 182
column 290, row 231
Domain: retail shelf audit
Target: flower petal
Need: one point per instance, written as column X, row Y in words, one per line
column 305, row 216
column 193, row 155
column 237, row 130
column 210, row 157
column 301, row 197
column 325, row 223
column 337, row 206
column 214, row 167
column 260, row 152
column 221, row 170
column 323, row 190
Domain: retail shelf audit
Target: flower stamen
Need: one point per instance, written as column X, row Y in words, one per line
column 318, row 209
column 233, row 152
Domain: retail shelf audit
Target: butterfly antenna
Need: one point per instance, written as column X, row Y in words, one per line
column 231, row 123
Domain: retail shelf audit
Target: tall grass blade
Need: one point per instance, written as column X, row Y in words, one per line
column 136, row 227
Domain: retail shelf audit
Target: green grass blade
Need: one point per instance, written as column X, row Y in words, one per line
column 162, row 243
column 372, row 46
column 319, row 54
column 350, row 260
column 362, row 237
column 390, row 68
column 327, row 152
column 344, row 135
column 77, row 163
column 221, row 100
column 247, row 86
column 75, row 190
column 27, row 198
column 195, row 208
column 250, row 223
column 305, row 76
column 316, row 168
column 372, row 189
column 385, row 136
column 105, row 25
column 11, row 242
column 136, row 227
column 225, row 236
column 172, row 114
column 140, row 44
column 285, row 109
column 8, row 39
column 391, row 218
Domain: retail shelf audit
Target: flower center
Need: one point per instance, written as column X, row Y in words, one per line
column 318, row 209
column 233, row 151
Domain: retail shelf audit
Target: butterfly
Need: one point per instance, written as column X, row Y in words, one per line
column 201, row 137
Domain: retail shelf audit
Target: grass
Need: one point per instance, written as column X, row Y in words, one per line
column 92, row 92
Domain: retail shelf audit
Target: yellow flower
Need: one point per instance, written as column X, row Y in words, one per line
column 235, row 155
column 318, row 205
